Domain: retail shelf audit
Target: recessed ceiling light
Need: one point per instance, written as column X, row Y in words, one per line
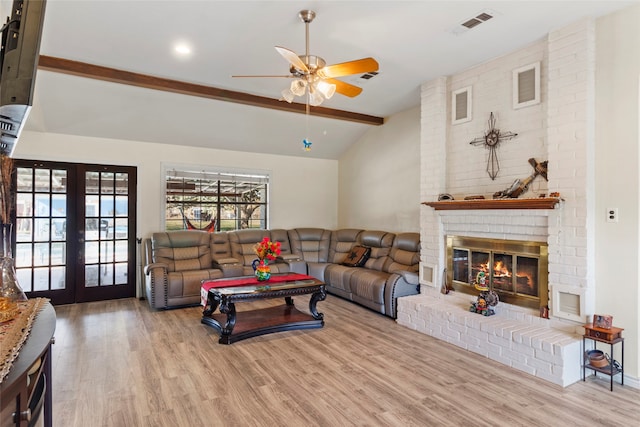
column 182, row 49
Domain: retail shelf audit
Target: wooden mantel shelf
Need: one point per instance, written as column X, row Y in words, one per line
column 539, row 203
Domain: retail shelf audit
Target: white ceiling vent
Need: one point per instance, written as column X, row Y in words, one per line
column 470, row 23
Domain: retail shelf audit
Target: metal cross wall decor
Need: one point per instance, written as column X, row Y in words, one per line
column 490, row 140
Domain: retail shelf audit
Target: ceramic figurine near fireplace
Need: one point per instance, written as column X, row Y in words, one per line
column 487, row 298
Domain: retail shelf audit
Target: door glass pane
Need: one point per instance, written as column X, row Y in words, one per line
column 92, row 180
column 24, row 205
column 43, row 180
column 24, row 229
column 42, row 205
column 121, row 273
column 40, row 279
column 41, row 254
column 24, row 177
column 106, row 183
column 106, row 206
column 121, row 205
column 122, row 183
column 91, row 276
column 59, row 205
column 91, row 252
column 91, row 206
column 59, row 181
column 58, row 277
column 23, row 255
column 121, row 250
column 121, row 231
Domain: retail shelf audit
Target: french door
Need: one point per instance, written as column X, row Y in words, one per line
column 75, row 231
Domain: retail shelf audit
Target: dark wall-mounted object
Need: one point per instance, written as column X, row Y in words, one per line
column 21, row 34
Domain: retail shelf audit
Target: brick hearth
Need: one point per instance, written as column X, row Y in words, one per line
column 512, row 337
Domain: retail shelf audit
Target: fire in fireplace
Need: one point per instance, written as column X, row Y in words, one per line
column 517, row 270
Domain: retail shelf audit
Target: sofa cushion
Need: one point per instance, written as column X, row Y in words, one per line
column 368, row 285
column 339, row 276
column 341, row 243
column 243, row 242
column 311, row 244
column 182, row 250
column 357, row 256
column 405, row 253
column 380, row 243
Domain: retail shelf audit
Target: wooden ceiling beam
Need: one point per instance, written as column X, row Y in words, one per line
column 82, row 69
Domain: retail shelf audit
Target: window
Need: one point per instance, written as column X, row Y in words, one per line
column 215, row 201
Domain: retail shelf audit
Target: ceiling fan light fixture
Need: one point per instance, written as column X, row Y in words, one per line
column 298, row 87
column 326, row 89
column 315, row 98
column 287, row 95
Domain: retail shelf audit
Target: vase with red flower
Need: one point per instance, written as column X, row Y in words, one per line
column 267, row 251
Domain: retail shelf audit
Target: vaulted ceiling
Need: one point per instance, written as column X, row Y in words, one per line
column 413, row 41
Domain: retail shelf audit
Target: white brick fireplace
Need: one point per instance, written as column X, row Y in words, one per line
column 559, row 129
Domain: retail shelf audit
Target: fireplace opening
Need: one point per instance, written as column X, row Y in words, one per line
column 517, row 270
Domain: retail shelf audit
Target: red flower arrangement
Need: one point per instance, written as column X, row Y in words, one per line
column 266, row 249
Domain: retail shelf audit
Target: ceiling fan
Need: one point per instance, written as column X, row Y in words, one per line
column 313, row 77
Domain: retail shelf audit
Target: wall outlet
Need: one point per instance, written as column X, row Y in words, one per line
column 612, row 214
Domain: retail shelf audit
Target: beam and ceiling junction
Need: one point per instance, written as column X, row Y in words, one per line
column 82, row 69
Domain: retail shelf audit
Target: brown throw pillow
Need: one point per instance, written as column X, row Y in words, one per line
column 357, row 257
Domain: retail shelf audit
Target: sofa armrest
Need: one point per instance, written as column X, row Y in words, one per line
column 149, row 267
column 397, row 286
column 226, row 261
column 290, row 257
column 408, row 276
column 156, row 285
column 316, row 269
column 231, row 270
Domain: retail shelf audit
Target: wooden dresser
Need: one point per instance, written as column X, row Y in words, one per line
column 26, row 398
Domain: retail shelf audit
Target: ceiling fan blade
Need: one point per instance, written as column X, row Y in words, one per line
column 293, row 59
column 345, row 89
column 286, row 76
column 363, row 65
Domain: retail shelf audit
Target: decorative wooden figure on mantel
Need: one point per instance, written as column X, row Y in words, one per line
column 490, row 140
column 521, row 186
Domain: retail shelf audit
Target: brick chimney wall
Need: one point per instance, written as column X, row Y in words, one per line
column 559, row 129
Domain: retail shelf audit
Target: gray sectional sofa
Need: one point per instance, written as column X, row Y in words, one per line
column 177, row 262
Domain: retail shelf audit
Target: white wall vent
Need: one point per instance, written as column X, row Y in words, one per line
column 461, row 105
column 426, row 275
column 569, row 303
column 526, row 85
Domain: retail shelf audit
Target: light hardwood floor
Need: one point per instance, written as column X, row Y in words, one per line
column 118, row 363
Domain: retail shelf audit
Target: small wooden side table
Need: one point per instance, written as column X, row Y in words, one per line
column 608, row 336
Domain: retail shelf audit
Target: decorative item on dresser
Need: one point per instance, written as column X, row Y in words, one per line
column 10, row 291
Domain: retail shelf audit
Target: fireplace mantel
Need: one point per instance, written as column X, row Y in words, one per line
column 537, row 203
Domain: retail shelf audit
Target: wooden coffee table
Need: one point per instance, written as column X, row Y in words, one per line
column 234, row 326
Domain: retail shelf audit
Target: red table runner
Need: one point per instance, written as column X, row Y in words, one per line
column 246, row 281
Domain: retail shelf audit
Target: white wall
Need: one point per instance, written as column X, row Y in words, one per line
column 617, row 179
column 379, row 177
column 303, row 191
